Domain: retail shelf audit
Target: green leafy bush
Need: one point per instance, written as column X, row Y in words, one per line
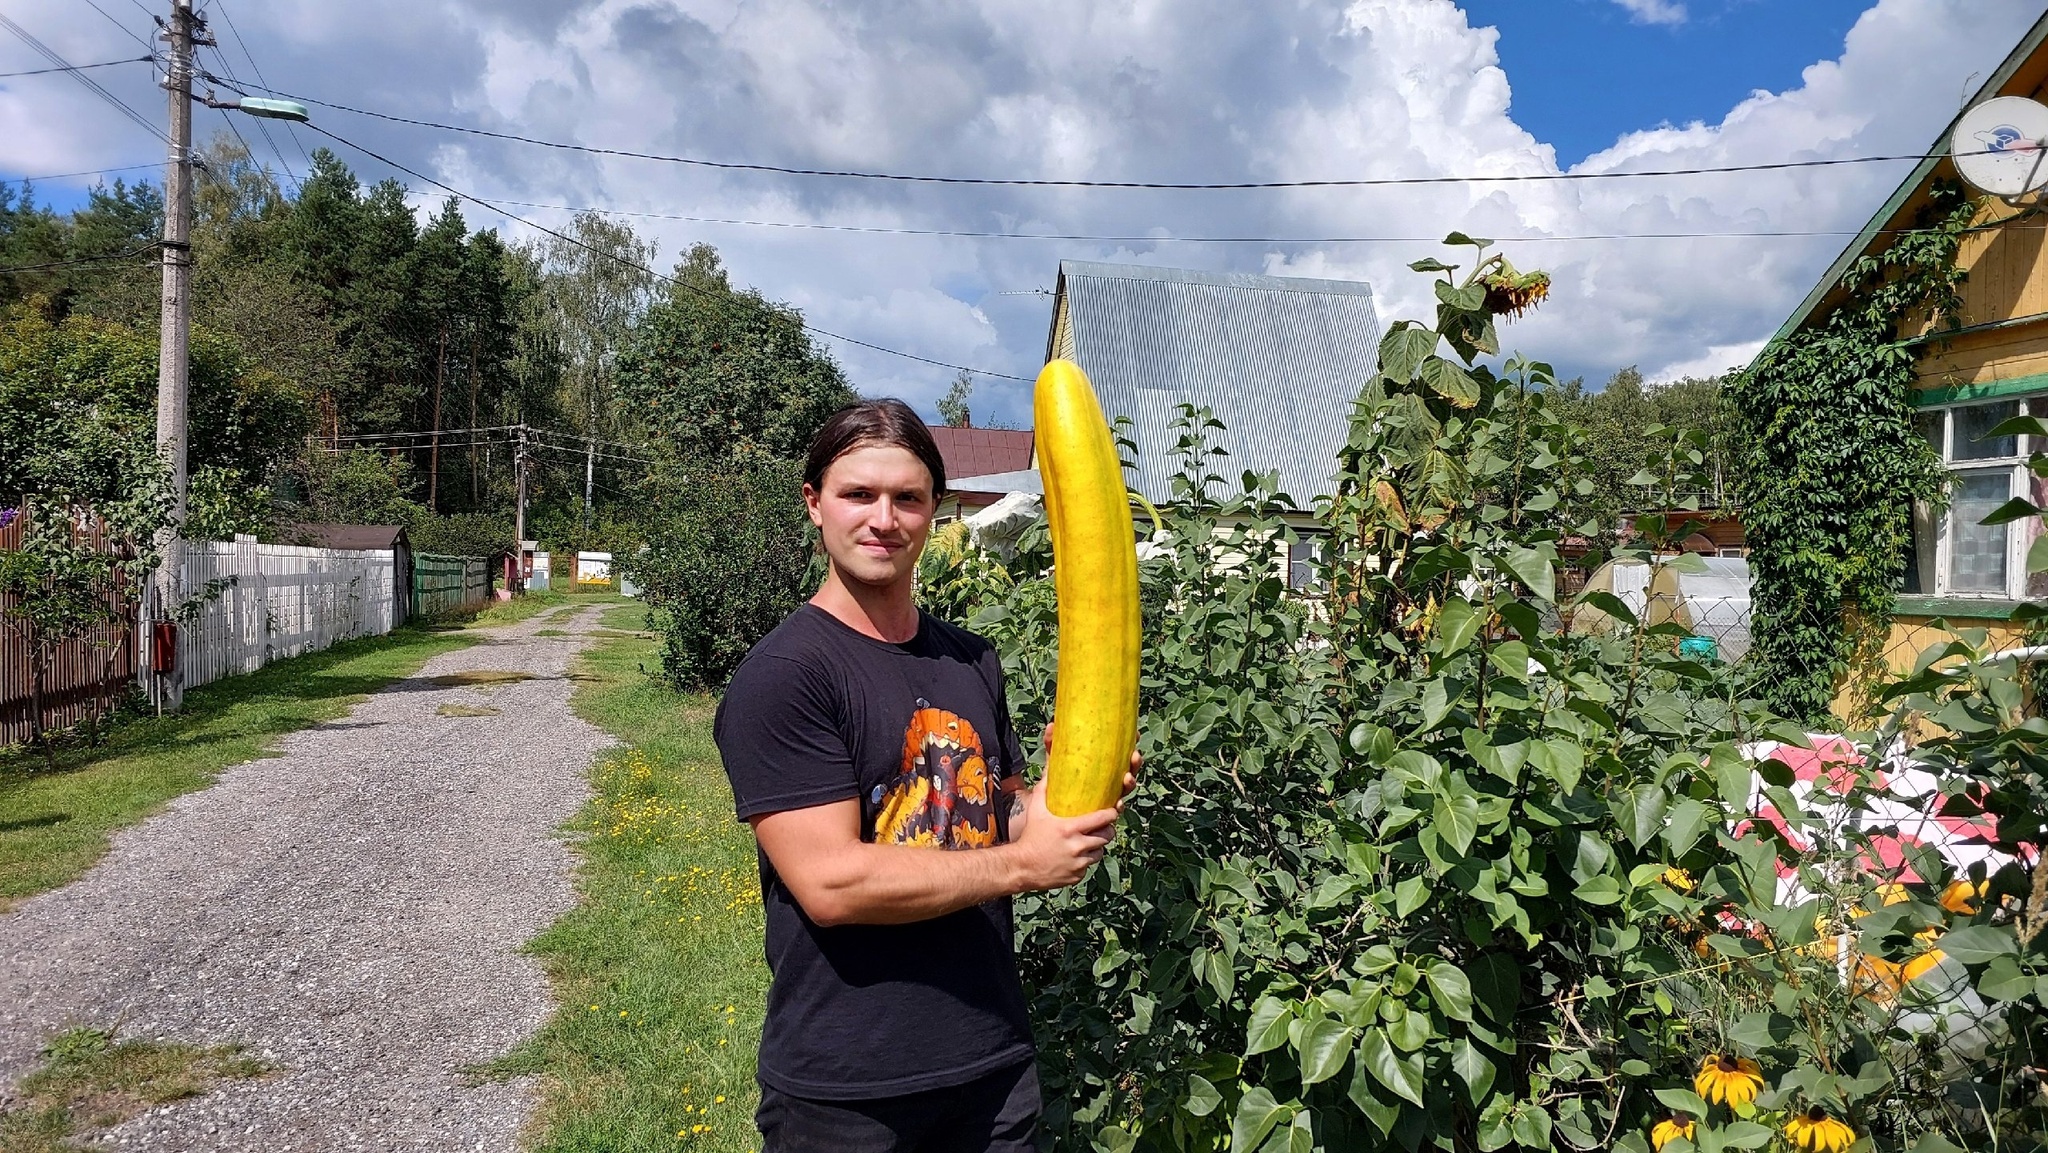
column 1414, row 867
column 727, row 556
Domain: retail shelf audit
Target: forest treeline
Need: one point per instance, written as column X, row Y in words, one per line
column 360, row 357
column 356, row 360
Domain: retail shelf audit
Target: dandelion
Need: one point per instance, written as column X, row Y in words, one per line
column 718, row 1100
column 1671, row 1129
column 1736, row 1080
column 1815, row 1130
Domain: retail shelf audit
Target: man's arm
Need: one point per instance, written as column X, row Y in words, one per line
column 840, row 879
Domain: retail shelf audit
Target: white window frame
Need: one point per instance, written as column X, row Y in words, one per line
column 1941, row 527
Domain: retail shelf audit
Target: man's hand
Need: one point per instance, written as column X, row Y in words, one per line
column 1021, row 805
column 1054, row 852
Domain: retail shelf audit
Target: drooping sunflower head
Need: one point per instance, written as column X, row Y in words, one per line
column 1817, row 1132
column 1671, row 1129
column 1733, row 1080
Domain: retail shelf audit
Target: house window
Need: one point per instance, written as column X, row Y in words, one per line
column 1301, row 563
column 1955, row 553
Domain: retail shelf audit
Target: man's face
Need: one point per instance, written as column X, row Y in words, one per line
column 873, row 513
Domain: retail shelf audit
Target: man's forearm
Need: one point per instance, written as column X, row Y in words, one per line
column 869, row 884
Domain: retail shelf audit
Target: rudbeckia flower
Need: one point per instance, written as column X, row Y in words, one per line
column 1736, row 1080
column 1671, row 1129
column 1816, row 1131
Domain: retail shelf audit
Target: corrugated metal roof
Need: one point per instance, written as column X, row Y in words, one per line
column 1279, row 360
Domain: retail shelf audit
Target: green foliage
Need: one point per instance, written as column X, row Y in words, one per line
column 953, row 406
column 461, row 534
column 1650, row 447
column 1421, row 869
column 720, row 374
column 1828, row 463
column 354, row 486
column 727, row 557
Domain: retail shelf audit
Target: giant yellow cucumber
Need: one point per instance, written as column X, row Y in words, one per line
column 1095, row 573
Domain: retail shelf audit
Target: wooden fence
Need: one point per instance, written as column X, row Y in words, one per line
column 83, row 676
column 273, row 601
column 445, row 586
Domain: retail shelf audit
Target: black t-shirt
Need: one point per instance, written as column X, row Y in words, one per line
column 920, row 734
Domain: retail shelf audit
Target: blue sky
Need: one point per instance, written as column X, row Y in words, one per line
column 1586, row 71
column 1666, row 273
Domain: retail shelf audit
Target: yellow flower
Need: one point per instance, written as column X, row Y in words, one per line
column 1816, row 1131
column 1677, row 879
column 1962, row 896
column 1671, row 1129
column 1736, row 1080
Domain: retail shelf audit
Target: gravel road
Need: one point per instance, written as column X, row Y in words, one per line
column 350, row 910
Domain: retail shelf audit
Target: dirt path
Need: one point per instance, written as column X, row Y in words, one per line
column 350, row 910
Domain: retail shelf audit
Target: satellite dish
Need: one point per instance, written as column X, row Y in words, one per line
column 2001, row 146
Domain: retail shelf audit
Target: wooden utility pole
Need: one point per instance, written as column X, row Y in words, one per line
column 173, row 365
column 434, row 452
column 519, row 516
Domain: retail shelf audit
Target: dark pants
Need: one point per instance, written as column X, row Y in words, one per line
column 994, row 1114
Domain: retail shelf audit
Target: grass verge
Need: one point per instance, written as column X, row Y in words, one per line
column 659, row 970
column 55, row 824
column 91, row 1082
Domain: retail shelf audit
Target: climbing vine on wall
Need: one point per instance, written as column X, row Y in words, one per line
column 1828, row 462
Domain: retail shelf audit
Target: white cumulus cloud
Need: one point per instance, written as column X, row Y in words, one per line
column 1654, row 11
column 1202, row 90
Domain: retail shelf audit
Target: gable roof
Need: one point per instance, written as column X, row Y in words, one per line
column 367, row 537
column 1279, row 360
column 981, row 451
column 2021, row 74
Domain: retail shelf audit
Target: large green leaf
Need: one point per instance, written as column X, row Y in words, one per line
column 1451, row 991
column 1456, row 624
column 1202, row 1097
column 1324, row 1047
column 1684, row 824
column 1402, row 350
column 1496, row 986
column 1267, row 1028
column 1450, row 381
column 1256, row 1116
column 1455, row 817
column 1474, row 1068
column 2018, row 508
column 1532, row 568
column 1401, row 1075
column 1977, row 944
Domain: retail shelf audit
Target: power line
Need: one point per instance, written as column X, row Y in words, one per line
column 1136, row 238
column 80, row 260
column 48, row 54
column 805, row 325
column 147, row 46
column 221, row 7
column 76, row 67
column 86, row 172
column 1037, row 182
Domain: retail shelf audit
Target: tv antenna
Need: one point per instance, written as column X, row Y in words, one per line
column 2001, row 147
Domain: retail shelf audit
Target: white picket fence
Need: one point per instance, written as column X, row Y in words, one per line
column 283, row 600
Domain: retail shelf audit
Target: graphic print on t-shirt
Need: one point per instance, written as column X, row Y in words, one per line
column 942, row 795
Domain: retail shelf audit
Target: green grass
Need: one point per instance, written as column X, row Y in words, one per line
column 54, row 824
column 89, row 1082
column 658, row 971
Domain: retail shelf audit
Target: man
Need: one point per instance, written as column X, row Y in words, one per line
column 870, row 748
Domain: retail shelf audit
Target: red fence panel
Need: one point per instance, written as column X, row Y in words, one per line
column 83, row 674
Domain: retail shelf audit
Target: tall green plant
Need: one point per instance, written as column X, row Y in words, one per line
column 1412, row 866
column 1828, row 463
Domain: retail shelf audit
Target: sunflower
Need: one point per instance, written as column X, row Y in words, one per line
column 1736, row 1080
column 1671, row 1129
column 1815, row 1130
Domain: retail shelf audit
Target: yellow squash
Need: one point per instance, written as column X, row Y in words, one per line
column 1095, row 572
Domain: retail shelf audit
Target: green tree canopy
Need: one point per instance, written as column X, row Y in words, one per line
column 716, row 373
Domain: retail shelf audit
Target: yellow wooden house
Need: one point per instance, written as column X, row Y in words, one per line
column 1963, row 573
